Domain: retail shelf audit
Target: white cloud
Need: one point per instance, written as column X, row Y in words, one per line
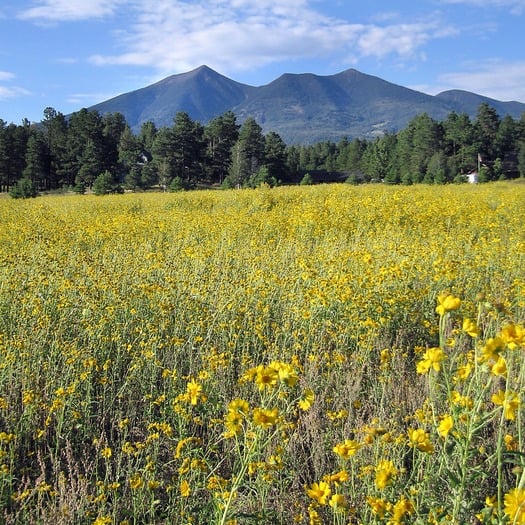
column 494, row 78
column 232, row 35
column 67, row 60
column 516, row 6
column 11, row 92
column 88, row 99
column 69, row 10
column 6, row 75
column 404, row 40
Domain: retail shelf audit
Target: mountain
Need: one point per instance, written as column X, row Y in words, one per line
column 202, row 93
column 302, row 108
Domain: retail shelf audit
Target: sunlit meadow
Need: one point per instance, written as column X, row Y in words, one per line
column 329, row 354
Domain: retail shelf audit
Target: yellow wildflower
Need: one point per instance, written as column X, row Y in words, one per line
column 491, row 349
column 514, row 506
column 319, row 492
column 337, row 477
column 136, row 482
column 432, row 358
column 194, row 392
column 470, row 327
column 385, row 472
column 265, row 417
column 338, row 501
column 499, row 368
column 307, row 400
column 447, row 302
column 510, row 442
column 184, row 488
column 233, row 423
column 445, row 425
column 266, row 377
column 401, row 508
column 239, row 405
column 513, row 335
column 378, row 505
column 510, row 401
column 103, row 520
column 106, row 452
column 286, row 372
column 463, row 372
column 421, row 440
column 347, row 448
column 460, row 400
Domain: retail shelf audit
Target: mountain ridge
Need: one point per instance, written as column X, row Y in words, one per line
column 303, row 108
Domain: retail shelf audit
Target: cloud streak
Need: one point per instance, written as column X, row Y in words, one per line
column 487, row 78
column 240, row 35
column 6, row 75
column 516, row 7
column 11, row 92
column 70, row 10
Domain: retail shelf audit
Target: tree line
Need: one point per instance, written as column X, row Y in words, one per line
column 101, row 153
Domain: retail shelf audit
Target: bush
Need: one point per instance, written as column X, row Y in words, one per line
column 179, row 184
column 24, row 189
column 306, row 180
column 105, row 183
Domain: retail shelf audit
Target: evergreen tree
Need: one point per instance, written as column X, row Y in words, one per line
column 378, row 158
column 114, row 125
column 187, row 147
column 275, row 157
column 4, row 158
column 521, row 159
column 506, row 136
column 55, row 131
column 247, row 154
column 106, row 183
column 85, row 148
column 24, row 188
column 426, row 140
column 293, row 161
column 437, row 169
column 163, row 158
column 36, row 168
column 129, row 159
column 13, row 142
column 146, row 138
column 486, row 131
column 458, row 142
column 240, row 168
column 220, row 135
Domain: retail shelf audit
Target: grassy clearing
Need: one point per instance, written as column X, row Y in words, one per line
column 264, row 356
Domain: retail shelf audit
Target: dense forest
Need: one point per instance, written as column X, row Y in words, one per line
column 89, row 151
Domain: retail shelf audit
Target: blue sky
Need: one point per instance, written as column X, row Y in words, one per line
column 70, row 54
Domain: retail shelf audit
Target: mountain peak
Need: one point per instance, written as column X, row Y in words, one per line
column 302, row 108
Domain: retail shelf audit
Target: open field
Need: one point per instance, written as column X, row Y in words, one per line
column 264, row 356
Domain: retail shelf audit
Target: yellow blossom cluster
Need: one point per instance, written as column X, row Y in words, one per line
column 327, row 354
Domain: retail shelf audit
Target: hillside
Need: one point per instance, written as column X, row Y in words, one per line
column 302, row 108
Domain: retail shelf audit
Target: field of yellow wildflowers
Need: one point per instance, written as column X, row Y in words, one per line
column 329, row 354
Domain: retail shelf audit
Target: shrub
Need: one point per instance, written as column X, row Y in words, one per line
column 23, row 189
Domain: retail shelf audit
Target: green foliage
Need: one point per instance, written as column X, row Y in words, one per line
column 73, row 153
column 25, row 188
column 105, row 183
column 484, row 174
column 179, row 184
column 262, row 177
column 306, row 180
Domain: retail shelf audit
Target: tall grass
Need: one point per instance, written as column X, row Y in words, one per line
column 264, row 356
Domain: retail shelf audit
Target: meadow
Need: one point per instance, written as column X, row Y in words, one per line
column 317, row 355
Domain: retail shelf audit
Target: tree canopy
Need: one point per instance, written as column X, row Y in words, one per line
column 75, row 152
